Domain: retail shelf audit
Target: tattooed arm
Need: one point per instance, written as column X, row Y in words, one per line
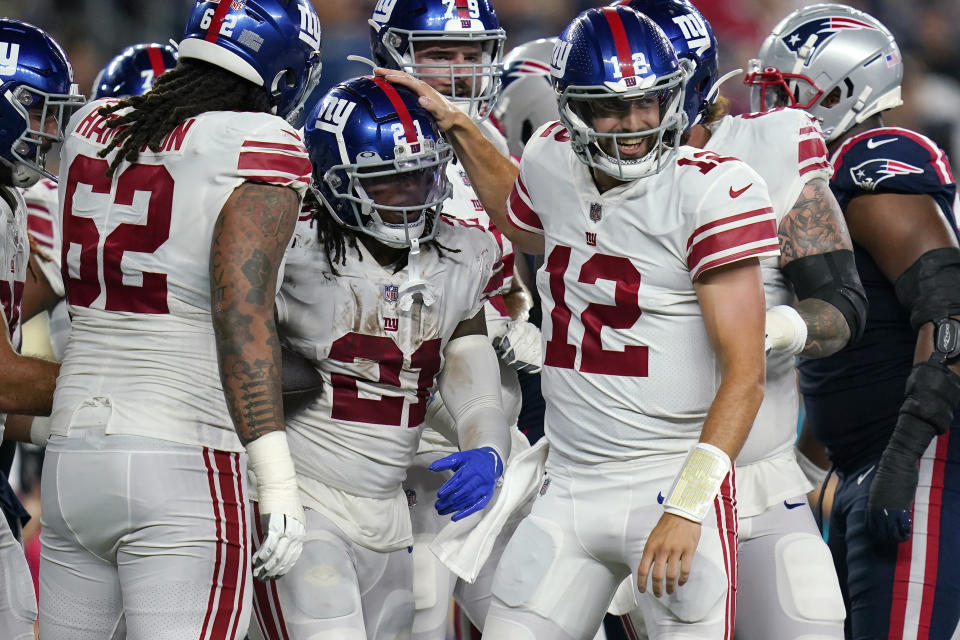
column 254, row 228
column 815, row 226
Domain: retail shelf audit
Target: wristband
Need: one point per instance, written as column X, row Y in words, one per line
column 698, row 482
column 786, row 332
column 269, row 459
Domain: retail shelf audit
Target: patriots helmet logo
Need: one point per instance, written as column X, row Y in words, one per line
column 391, row 292
column 823, row 28
column 867, row 175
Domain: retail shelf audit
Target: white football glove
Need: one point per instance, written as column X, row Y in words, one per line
column 520, row 347
column 786, row 332
column 279, row 503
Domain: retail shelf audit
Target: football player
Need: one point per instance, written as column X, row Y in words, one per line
column 779, row 542
column 654, row 362
column 456, row 48
column 527, row 99
column 176, row 207
column 386, row 303
column 885, row 407
column 38, row 92
column 130, row 73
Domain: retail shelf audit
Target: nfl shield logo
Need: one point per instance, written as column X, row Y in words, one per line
column 391, row 292
column 596, row 212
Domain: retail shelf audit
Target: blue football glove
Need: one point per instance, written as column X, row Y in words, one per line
column 474, row 480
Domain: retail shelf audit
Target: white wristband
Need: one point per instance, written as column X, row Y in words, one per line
column 269, row 459
column 786, row 332
column 698, row 482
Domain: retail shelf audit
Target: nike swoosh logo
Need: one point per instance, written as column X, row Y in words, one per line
column 739, row 192
column 791, row 505
column 660, row 497
column 864, row 475
column 873, row 144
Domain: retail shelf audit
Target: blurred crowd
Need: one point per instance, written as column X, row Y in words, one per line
column 928, row 32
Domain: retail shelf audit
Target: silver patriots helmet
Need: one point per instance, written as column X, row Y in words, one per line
column 839, row 64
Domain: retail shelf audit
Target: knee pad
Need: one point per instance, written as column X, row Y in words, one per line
column 703, row 592
column 323, row 584
column 807, row 585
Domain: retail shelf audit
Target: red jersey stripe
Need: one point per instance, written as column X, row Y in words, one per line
column 519, row 210
column 262, row 161
column 409, row 131
column 813, row 167
column 279, row 146
column 730, row 239
column 213, row 31
column 811, row 148
column 727, row 220
column 624, row 57
column 156, row 61
column 749, row 253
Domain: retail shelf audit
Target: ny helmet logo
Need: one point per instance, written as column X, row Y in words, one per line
column 561, row 51
column 9, row 56
column 596, row 211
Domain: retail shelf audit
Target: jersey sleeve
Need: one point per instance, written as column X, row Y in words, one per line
column 520, row 209
column 733, row 217
column 274, row 153
column 889, row 160
column 481, row 257
column 41, row 201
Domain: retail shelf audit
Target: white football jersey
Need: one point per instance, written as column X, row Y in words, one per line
column 136, row 261
column 378, row 363
column 629, row 371
column 42, row 208
column 787, row 149
column 466, row 206
column 14, row 254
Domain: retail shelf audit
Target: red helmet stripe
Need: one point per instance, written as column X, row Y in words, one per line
column 463, row 11
column 156, row 61
column 213, row 32
column 624, row 57
column 409, row 131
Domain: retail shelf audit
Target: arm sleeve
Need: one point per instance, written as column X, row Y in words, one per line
column 274, row 153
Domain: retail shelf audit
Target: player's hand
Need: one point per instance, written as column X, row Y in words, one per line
column 444, row 113
column 668, row 554
column 889, row 517
column 520, row 347
column 785, row 331
column 473, row 483
column 281, row 548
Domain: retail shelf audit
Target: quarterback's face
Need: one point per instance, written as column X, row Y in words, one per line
column 613, row 115
column 442, row 58
column 409, row 189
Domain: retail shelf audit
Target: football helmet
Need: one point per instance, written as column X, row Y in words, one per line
column 399, row 28
column 692, row 38
column 527, row 99
column 839, row 64
column 37, row 96
column 379, row 161
column 133, row 71
column 274, row 44
column 606, row 60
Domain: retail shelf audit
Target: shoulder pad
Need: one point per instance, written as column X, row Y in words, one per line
column 891, row 159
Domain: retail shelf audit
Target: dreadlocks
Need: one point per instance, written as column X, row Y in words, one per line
column 337, row 239
column 191, row 88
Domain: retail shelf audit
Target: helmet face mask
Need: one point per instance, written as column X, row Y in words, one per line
column 839, row 64
column 37, row 97
column 404, row 34
column 598, row 86
column 379, row 161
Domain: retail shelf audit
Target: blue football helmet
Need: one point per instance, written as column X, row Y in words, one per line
column 606, row 62
column 37, row 96
column 133, row 71
column 379, row 161
column 274, row 44
column 692, row 38
column 399, row 28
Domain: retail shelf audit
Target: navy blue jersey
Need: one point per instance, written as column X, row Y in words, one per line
column 853, row 397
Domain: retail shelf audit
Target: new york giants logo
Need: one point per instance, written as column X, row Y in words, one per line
column 694, row 32
column 561, row 51
column 596, row 211
column 867, row 175
column 823, row 29
column 309, row 25
column 391, row 324
column 383, row 10
column 591, row 239
column 391, row 292
column 9, row 56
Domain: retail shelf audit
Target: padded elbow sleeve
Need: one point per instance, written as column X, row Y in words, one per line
column 833, row 278
column 469, row 384
column 930, row 287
